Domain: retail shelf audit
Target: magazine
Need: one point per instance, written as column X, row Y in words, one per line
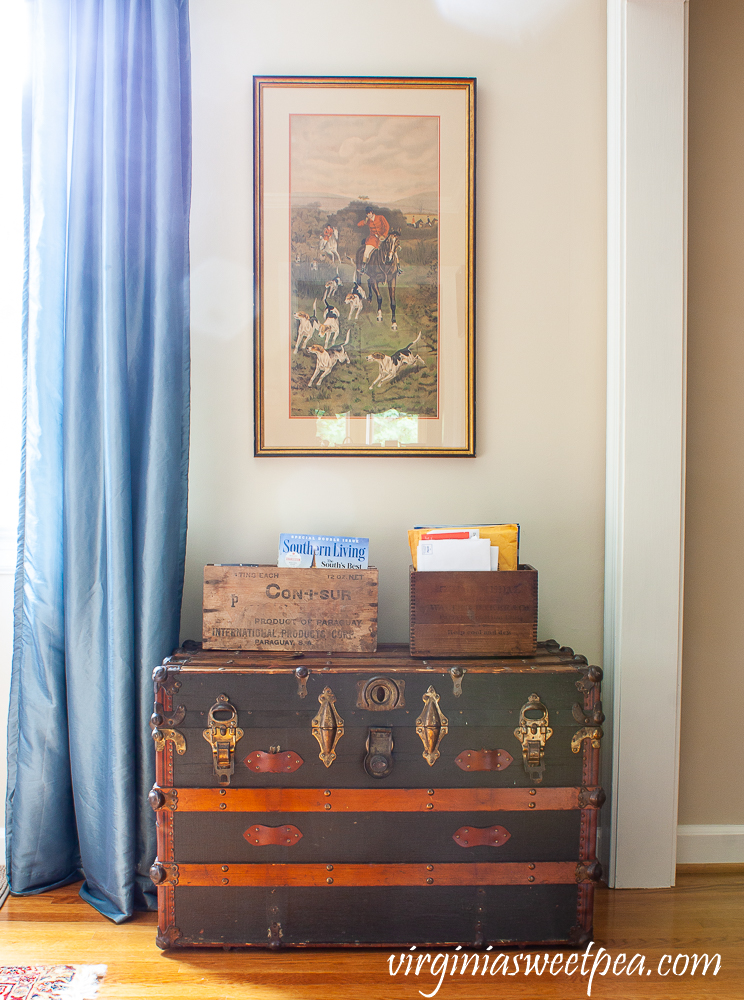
column 323, row 551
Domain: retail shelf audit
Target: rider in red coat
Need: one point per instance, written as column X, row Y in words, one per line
column 378, row 231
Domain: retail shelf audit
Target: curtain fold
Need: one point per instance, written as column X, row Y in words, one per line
column 107, row 153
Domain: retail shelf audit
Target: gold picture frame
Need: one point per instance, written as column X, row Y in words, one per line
column 364, row 216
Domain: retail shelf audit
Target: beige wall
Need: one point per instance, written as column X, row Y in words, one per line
column 540, row 294
column 712, row 752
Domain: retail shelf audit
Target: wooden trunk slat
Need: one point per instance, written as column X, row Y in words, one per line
column 388, row 657
column 389, row 838
column 290, row 610
column 375, row 800
column 474, row 873
column 432, row 667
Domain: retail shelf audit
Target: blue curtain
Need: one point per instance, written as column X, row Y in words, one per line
column 107, row 145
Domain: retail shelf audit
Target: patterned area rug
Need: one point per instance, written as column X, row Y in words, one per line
column 53, row 982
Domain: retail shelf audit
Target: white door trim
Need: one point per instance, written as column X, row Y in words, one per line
column 646, row 290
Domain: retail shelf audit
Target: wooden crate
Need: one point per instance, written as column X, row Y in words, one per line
column 275, row 608
column 474, row 614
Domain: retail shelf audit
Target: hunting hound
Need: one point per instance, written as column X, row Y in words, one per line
column 331, row 288
column 355, row 300
column 325, row 361
column 307, row 326
column 331, row 326
column 390, row 365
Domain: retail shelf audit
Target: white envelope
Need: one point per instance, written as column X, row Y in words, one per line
column 454, row 554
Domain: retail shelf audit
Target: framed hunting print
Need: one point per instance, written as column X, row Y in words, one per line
column 364, row 273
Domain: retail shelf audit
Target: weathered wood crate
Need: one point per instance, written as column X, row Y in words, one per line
column 474, row 614
column 274, row 608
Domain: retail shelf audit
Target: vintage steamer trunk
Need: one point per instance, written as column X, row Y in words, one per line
column 320, row 799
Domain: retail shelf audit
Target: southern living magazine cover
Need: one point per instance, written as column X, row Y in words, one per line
column 328, row 551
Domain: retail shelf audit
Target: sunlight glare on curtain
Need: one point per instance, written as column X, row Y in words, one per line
column 13, row 68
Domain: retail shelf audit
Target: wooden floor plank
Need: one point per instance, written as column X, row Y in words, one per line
column 704, row 913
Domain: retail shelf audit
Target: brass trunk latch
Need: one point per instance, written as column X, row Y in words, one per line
column 533, row 734
column 381, row 694
column 457, row 674
column 591, row 726
column 594, row 734
column 222, row 735
column 431, row 726
column 302, row 674
column 163, row 729
column 328, row 727
column 379, row 760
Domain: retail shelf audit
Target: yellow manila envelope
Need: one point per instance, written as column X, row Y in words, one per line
column 505, row 536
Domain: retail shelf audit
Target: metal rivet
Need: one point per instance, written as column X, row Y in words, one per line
column 430, row 868
column 225, row 868
column 225, row 881
column 531, row 878
column 429, row 805
column 430, row 881
column 533, row 791
column 328, row 805
column 326, row 792
column 531, row 867
column 329, row 868
column 223, row 805
column 466, row 831
column 329, row 881
column 531, row 805
column 429, row 791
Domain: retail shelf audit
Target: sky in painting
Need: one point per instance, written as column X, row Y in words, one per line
column 382, row 158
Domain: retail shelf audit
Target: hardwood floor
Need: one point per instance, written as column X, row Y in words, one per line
column 703, row 914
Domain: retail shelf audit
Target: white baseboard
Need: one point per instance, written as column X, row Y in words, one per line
column 710, row 844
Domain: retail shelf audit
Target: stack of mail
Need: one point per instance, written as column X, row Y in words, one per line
column 455, row 550
column 482, row 548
